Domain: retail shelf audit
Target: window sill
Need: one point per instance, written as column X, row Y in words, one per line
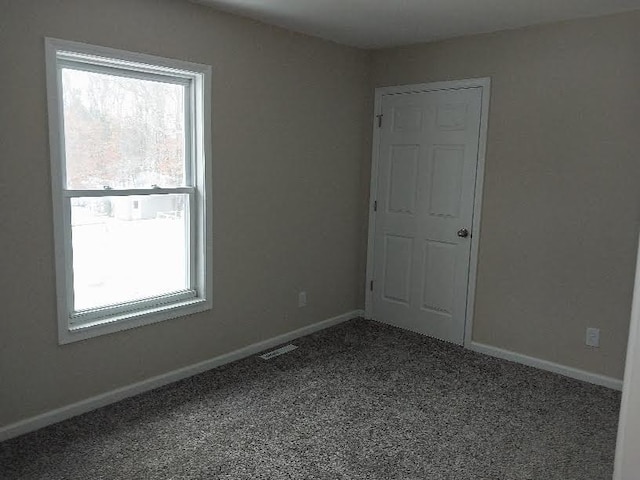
column 130, row 320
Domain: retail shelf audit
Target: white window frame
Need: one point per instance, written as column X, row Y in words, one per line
column 74, row 326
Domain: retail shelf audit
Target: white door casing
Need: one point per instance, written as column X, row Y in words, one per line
column 426, row 186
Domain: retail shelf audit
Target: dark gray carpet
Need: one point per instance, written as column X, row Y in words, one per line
column 358, row 401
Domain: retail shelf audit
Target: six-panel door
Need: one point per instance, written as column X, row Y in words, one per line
column 428, row 155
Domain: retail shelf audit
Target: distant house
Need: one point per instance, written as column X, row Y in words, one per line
column 146, row 207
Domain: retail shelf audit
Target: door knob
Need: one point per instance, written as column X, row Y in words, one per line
column 463, row 233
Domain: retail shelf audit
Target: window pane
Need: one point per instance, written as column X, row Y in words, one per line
column 122, row 132
column 128, row 248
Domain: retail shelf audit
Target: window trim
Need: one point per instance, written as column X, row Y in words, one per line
column 136, row 65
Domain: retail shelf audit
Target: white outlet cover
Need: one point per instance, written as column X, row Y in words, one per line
column 302, row 299
column 593, row 337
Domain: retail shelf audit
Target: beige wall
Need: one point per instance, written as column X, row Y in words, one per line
column 288, row 144
column 561, row 199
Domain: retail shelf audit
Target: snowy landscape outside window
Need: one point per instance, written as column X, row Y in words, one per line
column 130, row 167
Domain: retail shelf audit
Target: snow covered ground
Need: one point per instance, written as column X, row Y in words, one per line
column 117, row 261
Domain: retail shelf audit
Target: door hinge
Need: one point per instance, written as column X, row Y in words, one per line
column 379, row 120
column 371, row 285
column 375, row 205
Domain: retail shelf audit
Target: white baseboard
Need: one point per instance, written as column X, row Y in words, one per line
column 84, row 406
column 576, row 373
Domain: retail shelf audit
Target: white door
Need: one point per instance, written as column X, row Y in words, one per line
column 427, row 162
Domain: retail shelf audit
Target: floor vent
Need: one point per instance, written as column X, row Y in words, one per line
column 278, row 351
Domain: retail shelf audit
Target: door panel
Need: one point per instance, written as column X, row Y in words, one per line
column 406, row 118
column 397, row 268
column 428, row 154
column 403, row 164
column 438, row 277
column 445, row 191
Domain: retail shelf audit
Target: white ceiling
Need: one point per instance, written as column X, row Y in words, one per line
column 385, row 23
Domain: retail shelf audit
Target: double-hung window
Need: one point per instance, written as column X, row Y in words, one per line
column 131, row 167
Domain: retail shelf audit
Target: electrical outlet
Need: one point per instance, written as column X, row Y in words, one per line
column 302, row 299
column 593, row 337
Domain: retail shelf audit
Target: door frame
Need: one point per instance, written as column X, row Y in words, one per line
column 484, row 84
